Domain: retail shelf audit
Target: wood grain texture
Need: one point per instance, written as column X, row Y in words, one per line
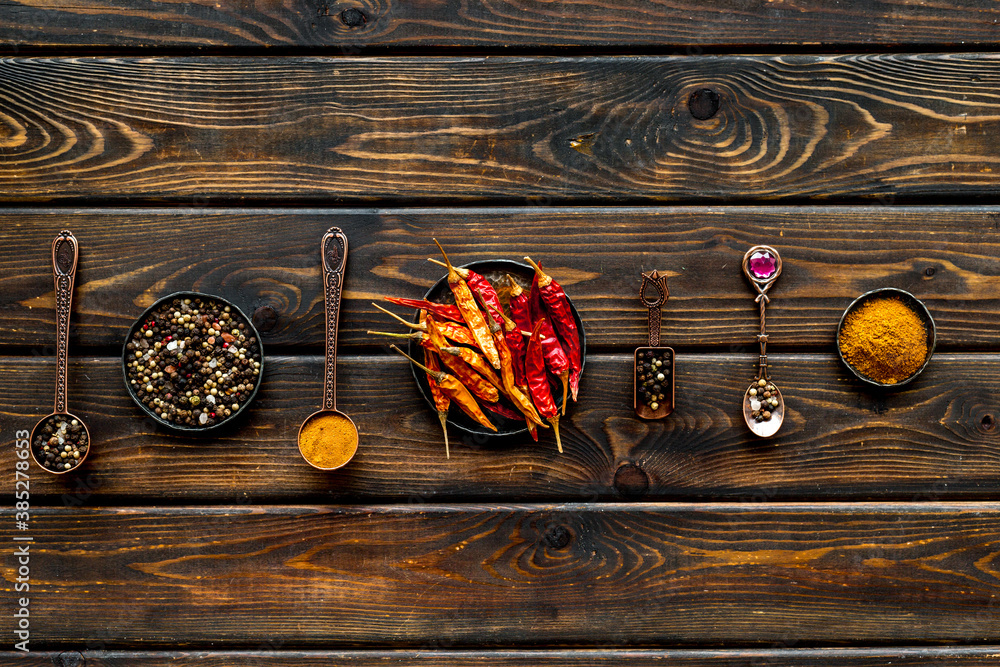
column 274, row 653
column 484, row 23
column 516, row 575
column 949, row 257
column 499, row 129
column 936, row 439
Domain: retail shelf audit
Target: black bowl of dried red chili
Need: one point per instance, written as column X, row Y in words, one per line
column 190, row 379
column 511, row 424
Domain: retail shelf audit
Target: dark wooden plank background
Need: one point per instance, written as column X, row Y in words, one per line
column 861, row 145
column 511, row 129
column 947, row 256
column 269, row 653
column 353, row 25
column 937, row 439
column 497, row 575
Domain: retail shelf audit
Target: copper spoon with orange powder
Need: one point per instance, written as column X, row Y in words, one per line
column 328, row 438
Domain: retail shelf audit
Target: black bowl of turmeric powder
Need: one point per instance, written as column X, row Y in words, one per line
column 886, row 337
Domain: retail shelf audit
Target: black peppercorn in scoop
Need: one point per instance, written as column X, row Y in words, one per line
column 653, row 376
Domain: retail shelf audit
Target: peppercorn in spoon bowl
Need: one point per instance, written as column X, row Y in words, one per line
column 886, row 338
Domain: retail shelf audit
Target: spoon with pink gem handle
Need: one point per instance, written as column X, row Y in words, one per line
column 763, row 407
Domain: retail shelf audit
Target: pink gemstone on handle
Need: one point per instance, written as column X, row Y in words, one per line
column 762, row 264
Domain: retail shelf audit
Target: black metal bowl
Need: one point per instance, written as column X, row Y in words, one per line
column 916, row 306
column 243, row 319
column 494, row 271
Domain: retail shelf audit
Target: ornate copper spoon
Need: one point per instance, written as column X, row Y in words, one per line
column 60, row 442
column 653, row 377
column 328, row 438
column 763, row 407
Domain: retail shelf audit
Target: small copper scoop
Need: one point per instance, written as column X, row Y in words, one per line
column 653, row 394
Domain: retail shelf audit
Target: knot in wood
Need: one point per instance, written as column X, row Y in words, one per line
column 631, row 481
column 265, row 318
column 558, row 536
column 70, row 659
column 353, row 17
column 988, row 422
column 704, row 103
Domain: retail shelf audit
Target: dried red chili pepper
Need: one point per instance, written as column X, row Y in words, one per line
column 451, row 330
column 444, row 310
column 434, row 336
column 441, row 400
column 476, row 383
column 502, row 411
column 533, row 430
column 455, row 390
column 516, row 394
column 476, row 361
column 538, row 381
column 484, row 388
column 515, row 344
column 555, row 356
column 470, row 312
column 520, row 307
column 478, row 283
column 557, row 304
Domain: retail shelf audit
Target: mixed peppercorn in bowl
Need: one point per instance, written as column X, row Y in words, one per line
column 193, row 361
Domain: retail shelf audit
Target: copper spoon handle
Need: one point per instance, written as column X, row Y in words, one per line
column 334, row 254
column 65, row 253
column 654, row 305
column 762, row 285
column 762, row 363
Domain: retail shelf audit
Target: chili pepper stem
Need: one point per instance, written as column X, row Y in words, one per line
column 564, row 378
column 443, row 416
column 543, row 279
column 413, row 334
column 555, row 428
column 515, row 289
column 464, row 273
column 396, row 317
column 434, row 374
column 451, row 269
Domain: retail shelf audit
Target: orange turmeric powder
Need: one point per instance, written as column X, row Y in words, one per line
column 328, row 440
column 884, row 340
